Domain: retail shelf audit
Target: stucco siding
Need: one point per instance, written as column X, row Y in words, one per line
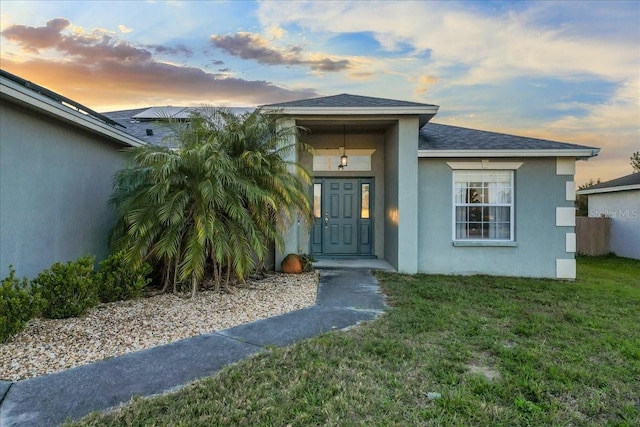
column 623, row 207
column 407, row 200
column 291, row 237
column 539, row 241
column 391, row 191
column 55, row 182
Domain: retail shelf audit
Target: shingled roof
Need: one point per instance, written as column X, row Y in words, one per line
column 435, row 137
column 627, row 182
column 355, row 105
column 157, row 130
column 26, row 94
column 347, row 100
column 152, row 124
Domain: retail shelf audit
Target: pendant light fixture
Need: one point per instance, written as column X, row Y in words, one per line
column 344, row 160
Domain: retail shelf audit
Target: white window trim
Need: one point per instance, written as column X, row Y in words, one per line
column 484, row 164
column 483, row 242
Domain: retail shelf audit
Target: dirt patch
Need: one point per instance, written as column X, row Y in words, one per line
column 482, row 365
column 489, row 373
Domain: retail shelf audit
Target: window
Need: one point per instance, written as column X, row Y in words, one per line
column 327, row 160
column 364, row 201
column 317, row 200
column 483, row 205
column 330, row 163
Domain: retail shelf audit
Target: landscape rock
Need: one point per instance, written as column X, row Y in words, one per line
column 50, row 345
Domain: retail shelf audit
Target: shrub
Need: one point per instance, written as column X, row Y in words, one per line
column 68, row 289
column 307, row 262
column 18, row 304
column 116, row 280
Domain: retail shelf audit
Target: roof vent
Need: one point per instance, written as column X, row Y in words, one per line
column 149, row 132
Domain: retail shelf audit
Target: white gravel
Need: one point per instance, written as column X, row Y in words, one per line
column 109, row 330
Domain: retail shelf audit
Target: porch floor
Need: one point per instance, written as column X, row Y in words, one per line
column 348, row 263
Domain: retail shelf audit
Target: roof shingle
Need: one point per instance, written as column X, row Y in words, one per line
column 435, row 136
column 623, row 181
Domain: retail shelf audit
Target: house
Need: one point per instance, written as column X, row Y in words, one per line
column 432, row 198
column 57, row 161
column 388, row 184
column 618, row 199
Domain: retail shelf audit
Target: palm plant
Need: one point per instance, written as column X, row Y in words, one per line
column 214, row 203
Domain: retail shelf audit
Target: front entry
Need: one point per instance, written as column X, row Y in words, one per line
column 343, row 210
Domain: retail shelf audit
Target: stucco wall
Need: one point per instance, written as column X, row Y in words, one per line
column 291, row 238
column 407, row 190
column 538, row 192
column 54, row 185
column 623, row 207
column 391, row 171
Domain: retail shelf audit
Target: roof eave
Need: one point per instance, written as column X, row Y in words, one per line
column 581, row 154
column 426, row 109
column 609, row 189
column 425, row 113
column 37, row 102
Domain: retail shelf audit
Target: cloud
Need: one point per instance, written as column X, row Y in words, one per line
column 361, row 75
column 178, row 50
column 488, row 48
column 612, row 125
column 424, row 82
column 99, row 45
column 98, row 69
column 276, row 32
column 148, row 83
column 123, row 29
column 32, row 39
column 252, row 46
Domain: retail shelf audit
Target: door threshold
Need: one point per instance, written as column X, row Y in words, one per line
column 343, row 257
column 352, row 263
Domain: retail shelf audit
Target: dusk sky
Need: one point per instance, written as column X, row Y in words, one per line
column 565, row 71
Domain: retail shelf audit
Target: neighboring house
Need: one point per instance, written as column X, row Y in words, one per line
column 151, row 124
column 57, row 161
column 618, row 199
column 433, row 198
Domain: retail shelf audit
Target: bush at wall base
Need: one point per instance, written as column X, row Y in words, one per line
column 116, row 280
column 68, row 289
column 18, row 304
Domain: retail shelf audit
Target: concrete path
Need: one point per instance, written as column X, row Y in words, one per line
column 345, row 297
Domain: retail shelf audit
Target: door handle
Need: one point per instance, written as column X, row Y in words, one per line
column 326, row 219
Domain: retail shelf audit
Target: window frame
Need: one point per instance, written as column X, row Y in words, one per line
column 511, row 205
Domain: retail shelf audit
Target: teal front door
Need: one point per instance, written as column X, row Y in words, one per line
column 343, row 225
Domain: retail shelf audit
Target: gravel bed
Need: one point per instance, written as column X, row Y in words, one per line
column 113, row 329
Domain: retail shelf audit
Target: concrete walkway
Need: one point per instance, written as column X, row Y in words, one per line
column 345, row 297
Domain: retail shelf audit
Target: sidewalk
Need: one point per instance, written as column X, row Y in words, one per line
column 345, row 297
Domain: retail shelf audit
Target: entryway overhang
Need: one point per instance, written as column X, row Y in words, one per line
column 363, row 116
column 346, row 105
column 386, row 219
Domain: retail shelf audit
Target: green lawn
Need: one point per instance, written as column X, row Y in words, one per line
column 498, row 351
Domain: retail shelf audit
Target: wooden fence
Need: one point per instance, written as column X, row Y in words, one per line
column 592, row 235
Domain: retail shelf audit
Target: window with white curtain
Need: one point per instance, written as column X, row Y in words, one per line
column 483, row 205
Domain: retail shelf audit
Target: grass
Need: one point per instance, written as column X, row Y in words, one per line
column 497, row 351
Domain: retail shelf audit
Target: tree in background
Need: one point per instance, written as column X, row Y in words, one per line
column 216, row 203
column 635, row 161
column 582, row 201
